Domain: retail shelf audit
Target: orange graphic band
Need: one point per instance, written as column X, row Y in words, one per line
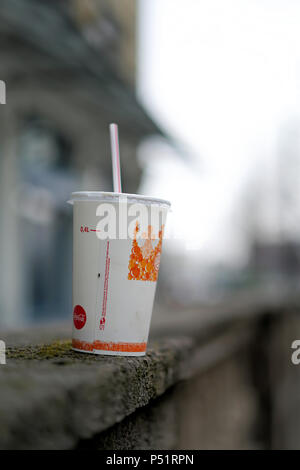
column 121, row 347
column 109, row 346
column 83, row 345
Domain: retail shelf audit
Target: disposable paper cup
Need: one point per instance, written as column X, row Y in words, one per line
column 114, row 279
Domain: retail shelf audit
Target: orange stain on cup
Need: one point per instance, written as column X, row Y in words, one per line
column 144, row 261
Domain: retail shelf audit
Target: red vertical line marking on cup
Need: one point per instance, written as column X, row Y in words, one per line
column 105, row 290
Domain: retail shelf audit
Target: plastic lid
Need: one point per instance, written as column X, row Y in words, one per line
column 112, row 197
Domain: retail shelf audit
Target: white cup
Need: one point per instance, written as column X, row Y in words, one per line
column 115, row 276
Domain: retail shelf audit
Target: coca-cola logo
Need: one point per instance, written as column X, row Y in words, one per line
column 79, row 317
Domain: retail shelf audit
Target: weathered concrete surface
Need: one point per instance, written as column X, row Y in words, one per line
column 51, row 397
column 216, row 409
column 242, row 390
column 155, row 426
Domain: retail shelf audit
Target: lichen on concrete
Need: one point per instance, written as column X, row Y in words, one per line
column 57, row 349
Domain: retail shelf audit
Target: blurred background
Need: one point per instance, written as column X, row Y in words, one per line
column 207, row 98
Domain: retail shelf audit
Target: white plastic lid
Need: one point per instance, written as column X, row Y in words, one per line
column 113, row 197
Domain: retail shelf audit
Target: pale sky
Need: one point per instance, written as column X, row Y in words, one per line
column 223, row 76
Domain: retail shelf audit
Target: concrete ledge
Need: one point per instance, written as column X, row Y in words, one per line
column 51, row 397
column 54, row 398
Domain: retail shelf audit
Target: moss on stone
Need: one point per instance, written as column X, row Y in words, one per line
column 40, row 352
column 62, row 349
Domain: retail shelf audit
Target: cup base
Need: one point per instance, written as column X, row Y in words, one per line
column 111, row 353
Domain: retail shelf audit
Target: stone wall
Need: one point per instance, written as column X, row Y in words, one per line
column 235, row 388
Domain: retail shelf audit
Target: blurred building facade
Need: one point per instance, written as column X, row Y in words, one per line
column 110, row 25
column 69, row 68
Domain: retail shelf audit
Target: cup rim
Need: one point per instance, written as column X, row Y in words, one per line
column 111, row 197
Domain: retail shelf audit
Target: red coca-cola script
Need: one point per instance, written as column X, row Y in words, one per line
column 79, row 317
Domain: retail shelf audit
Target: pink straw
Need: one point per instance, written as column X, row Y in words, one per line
column 115, row 155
